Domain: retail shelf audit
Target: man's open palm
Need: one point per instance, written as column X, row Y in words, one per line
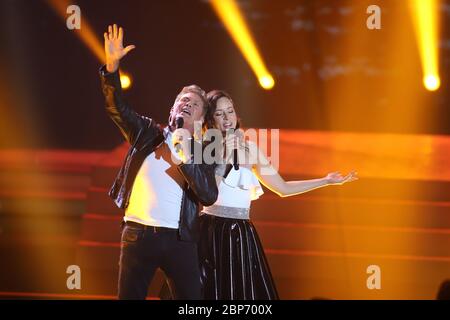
column 114, row 50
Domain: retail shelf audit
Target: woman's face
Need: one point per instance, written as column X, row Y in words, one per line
column 225, row 117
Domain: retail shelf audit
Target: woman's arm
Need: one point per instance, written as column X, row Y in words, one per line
column 283, row 188
column 270, row 178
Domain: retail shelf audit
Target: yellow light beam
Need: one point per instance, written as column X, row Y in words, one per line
column 87, row 35
column 425, row 19
column 229, row 13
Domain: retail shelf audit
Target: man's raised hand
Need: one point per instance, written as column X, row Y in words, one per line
column 114, row 50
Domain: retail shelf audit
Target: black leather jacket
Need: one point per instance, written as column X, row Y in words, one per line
column 144, row 136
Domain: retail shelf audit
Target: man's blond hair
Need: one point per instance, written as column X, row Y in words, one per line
column 193, row 88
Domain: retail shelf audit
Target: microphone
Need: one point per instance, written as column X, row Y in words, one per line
column 235, row 153
column 179, row 122
column 235, row 159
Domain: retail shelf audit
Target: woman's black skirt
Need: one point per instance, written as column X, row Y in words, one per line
column 233, row 265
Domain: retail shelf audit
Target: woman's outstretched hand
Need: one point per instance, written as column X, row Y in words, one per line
column 336, row 178
column 114, row 50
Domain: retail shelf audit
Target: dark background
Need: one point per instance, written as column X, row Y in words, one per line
column 50, row 94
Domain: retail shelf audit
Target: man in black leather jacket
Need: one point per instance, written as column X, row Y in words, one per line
column 161, row 199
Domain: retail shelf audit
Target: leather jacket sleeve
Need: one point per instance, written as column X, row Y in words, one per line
column 129, row 122
column 201, row 180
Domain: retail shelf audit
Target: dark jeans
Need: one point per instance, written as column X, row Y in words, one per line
column 144, row 250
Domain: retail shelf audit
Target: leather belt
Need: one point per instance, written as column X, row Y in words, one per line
column 145, row 227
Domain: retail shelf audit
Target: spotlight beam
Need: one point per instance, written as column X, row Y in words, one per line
column 229, row 13
column 85, row 33
column 87, row 36
column 425, row 18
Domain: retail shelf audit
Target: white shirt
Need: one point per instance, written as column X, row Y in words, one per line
column 238, row 189
column 158, row 189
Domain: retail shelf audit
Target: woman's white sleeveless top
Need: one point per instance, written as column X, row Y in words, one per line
column 236, row 192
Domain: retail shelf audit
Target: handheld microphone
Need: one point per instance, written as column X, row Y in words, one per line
column 179, row 122
column 235, row 160
column 235, row 153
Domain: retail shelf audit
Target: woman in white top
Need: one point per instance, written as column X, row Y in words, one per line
column 232, row 261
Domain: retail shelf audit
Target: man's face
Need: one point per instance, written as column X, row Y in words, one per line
column 190, row 108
